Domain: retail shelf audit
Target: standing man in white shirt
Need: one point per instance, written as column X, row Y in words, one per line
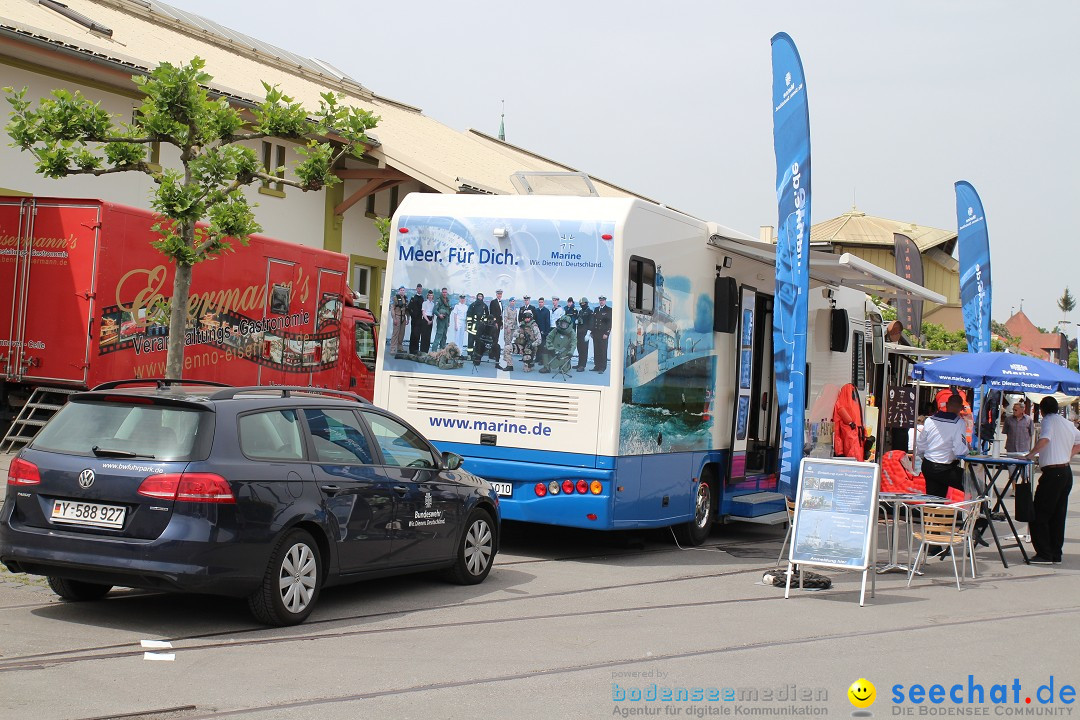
column 1058, row 441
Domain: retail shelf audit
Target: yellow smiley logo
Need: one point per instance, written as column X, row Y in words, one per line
column 862, row 693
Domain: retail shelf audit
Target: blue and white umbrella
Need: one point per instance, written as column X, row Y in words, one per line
column 999, row 371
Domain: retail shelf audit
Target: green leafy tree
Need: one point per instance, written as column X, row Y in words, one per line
column 69, row 134
column 1066, row 303
column 936, row 337
column 1073, row 363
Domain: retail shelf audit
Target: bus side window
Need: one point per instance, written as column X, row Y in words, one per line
column 365, row 344
column 641, row 286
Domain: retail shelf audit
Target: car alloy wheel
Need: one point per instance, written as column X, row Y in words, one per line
column 478, row 546
column 290, row 586
column 298, row 577
column 476, row 550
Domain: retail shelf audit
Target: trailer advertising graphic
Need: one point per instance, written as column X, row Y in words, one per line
column 230, row 320
column 89, row 300
column 522, row 298
column 670, row 371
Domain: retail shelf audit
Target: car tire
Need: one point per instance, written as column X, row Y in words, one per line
column 292, row 582
column 476, row 550
column 76, row 590
column 697, row 530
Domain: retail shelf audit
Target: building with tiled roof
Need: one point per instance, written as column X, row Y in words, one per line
column 1052, row 346
column 871, row 238
column 95, row 46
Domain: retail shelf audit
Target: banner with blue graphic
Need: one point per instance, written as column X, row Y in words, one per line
column 973, row 246
column 974, row 251
column 791, row 143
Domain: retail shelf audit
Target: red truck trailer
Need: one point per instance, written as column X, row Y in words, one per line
column 82, row 295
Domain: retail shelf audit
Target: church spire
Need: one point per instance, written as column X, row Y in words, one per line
column 502, row 122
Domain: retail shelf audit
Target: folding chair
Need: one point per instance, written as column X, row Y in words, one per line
column 947, row 526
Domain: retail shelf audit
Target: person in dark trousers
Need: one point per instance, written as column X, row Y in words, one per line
column 940, row 443
column 584, row 326
column 495, row 311
column 600, row 331
column 416, row 319
column 477, row 310
column 1059, row 441
column 543, row 319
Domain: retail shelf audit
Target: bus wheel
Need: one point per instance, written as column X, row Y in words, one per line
column 697, row 530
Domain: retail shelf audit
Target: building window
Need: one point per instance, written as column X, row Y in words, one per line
column 362, row 284
column 270, row 154
column 641, row 286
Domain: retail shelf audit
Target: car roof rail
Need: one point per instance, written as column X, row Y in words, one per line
column 287, row 391
column 162, row 383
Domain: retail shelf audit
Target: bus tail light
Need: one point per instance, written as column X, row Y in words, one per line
column 596, row 488
column 553, row 487
column 582, row 487
column 540, row 489
column 568, row 487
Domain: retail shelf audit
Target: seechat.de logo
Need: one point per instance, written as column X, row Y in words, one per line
column 862, row 693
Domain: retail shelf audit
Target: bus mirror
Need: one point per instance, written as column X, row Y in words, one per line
column 725, row 304
column 877, row 346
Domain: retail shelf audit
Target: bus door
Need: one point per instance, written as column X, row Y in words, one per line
column 755, row 436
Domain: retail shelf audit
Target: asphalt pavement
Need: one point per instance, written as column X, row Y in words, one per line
column 569, row 625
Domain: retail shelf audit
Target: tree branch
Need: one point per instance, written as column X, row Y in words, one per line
column 284, row 181
column 142, row 140
column 241, row 137
column 141, row 167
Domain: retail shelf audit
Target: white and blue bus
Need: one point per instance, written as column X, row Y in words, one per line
column 660, row 409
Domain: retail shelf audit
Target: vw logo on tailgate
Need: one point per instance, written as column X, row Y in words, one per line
column 86, row 478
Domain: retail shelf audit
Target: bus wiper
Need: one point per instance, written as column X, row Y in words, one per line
column 106, row 452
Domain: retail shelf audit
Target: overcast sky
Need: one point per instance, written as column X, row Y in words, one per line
column 672, row 100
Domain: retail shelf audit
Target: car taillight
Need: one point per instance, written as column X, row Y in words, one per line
column 21, row 472
column 568, row 487
column 540, row 489
column 188, row 487
column 582, row 486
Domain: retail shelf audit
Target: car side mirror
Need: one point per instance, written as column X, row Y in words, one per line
column 451, row 461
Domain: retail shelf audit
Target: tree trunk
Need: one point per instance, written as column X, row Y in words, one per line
column 178, row 311
column 178, row 315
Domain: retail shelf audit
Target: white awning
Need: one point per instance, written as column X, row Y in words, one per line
column 845, row 270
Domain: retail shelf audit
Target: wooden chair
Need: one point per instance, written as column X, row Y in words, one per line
column 947, row 526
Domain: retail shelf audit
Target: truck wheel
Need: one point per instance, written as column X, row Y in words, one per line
column 476, row 550
column 291, row 584
column 76, row 590
column 697, row 530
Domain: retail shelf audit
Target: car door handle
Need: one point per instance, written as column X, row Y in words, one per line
column 330, row 489
column 401, row 489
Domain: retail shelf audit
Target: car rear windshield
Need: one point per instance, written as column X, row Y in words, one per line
column 117, row 429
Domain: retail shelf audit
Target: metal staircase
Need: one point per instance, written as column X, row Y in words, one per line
column 42, row 405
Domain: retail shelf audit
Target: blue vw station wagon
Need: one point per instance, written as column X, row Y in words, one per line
column 268, row 493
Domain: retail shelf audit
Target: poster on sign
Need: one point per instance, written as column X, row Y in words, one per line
column 835, row 515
